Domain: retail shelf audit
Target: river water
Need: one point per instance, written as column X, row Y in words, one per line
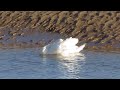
column 29, row 64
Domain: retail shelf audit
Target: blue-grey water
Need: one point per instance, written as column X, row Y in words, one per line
column 29, row 64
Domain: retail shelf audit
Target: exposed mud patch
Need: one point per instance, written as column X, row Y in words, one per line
column 99, row 27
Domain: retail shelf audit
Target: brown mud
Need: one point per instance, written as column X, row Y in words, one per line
column 99, row 29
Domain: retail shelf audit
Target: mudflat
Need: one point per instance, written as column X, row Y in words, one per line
column 99, row 29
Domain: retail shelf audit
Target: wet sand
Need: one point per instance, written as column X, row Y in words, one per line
column 100, row 29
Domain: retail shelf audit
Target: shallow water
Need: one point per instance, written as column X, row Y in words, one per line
column 29, row 64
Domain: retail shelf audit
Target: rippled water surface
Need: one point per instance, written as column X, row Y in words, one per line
column 29, row 64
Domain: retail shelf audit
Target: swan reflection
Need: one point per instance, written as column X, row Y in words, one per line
column 69, row 66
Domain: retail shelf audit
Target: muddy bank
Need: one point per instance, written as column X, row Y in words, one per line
column 27, row 39
column 100, row 29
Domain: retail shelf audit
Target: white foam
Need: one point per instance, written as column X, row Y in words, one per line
column 63, row 47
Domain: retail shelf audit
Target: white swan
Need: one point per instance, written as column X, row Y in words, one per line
column 63, row 47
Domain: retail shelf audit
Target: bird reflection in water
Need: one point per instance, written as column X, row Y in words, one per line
column 70, row 65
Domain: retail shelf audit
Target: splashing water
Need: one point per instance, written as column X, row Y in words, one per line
column 63, row 47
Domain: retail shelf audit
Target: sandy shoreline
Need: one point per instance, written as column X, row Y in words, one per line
column 102, row 28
